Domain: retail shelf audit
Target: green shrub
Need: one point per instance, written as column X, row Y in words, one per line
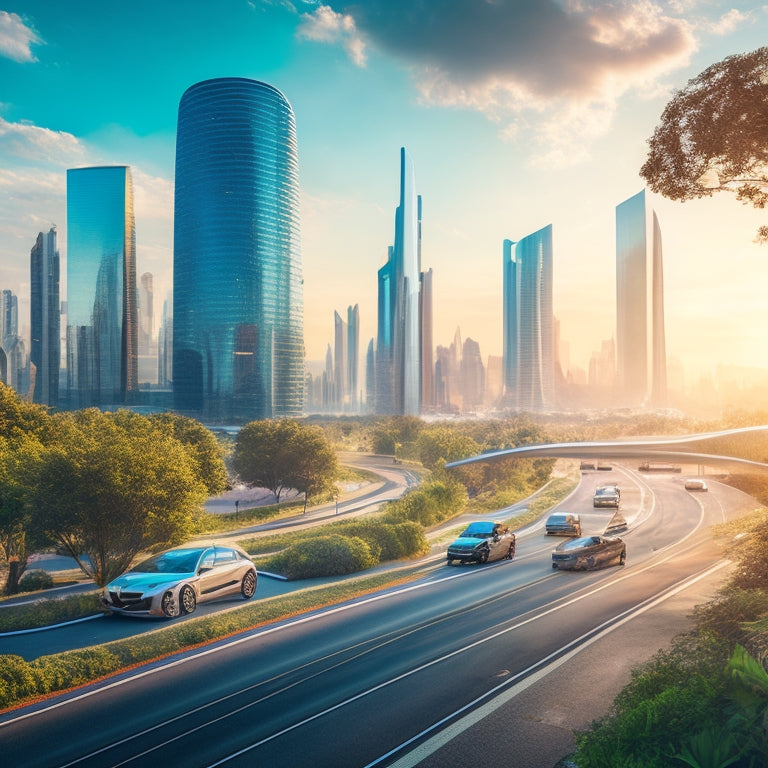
column 394, row 540
column 34, row 580
column 325, row 556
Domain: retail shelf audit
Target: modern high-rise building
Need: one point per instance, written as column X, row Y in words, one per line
column 102, row 324
column 427, row 343
column 640, row 337
column 402, row 314
column 529, row 358
column 45, row 319
column 238, row 337
column 339, row 361
column 13, row 353
column 353, row 358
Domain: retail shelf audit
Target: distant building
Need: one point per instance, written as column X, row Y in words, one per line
column 403, row 315
column 147, row 347
column 528, row 329
column 102, row 325
column 353, row 359
column 45, row 319
column 472, row 376
column 238, row 337
column 640, row 336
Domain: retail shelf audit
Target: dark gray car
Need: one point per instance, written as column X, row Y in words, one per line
column 563, row 525
column 482, row 542
column 589, row 552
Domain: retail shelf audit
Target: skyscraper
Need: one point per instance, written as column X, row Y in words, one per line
column 13, row 367
column 102, row 327
column 528, row 337
column 147, row 348
column 640, row 337
column 238, row 308
column 339, row 361
column 353, row 357
column 45, row 319
column 401, row 312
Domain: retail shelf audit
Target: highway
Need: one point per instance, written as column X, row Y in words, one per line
column 373, row 681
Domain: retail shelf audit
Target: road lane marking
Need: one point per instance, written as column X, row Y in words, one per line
column 527, row 678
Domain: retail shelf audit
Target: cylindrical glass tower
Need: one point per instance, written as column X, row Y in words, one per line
column 238, row 341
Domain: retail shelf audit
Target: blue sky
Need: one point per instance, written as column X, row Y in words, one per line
column 516, row 113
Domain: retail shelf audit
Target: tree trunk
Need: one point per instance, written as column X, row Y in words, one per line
column 15, row 571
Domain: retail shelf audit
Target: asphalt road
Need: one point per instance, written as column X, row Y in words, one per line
column 422, row 675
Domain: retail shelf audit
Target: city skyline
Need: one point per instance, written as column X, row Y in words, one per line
column 484, row 127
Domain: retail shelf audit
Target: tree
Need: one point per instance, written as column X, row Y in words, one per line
column 713, row 135
column 111, row 486
column 284, row 454
column 202, row 446
column 17, row 456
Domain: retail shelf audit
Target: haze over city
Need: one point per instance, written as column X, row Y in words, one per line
column 507, row 135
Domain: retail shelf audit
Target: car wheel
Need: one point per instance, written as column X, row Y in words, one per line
column 169, row 606
column 554, row 565
column 248, row 585
column 623, row 557
column 187, row 599
column 449, row 561
column 483, row 557
column 511, row 551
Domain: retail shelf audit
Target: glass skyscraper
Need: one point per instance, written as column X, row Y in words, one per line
column 640, row 336
column 401, row 314
column 528, row 337
column 238, row 343
column 102, row 327
column 45, row 319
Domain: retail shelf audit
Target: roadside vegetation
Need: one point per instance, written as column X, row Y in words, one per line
column 704, row 701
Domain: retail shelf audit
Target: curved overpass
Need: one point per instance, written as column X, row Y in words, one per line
column 719, row 448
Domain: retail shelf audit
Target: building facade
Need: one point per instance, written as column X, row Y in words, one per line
column 640, row 336
column 45, row 319
column 528, row 332
column 102, row 325
column 402, row 315
column 238, row 337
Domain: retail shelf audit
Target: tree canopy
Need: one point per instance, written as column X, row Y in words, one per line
column 110, row 486
column 713, row 135
column 281, row 454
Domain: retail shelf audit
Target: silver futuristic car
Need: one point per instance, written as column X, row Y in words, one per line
column 173, row 582
column 482, row 542
column 589, row 552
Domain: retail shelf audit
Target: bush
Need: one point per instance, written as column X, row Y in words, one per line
column 325, row 556
column 394, row 540
column 34, row 580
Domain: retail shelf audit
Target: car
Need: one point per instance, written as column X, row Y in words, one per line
column 589, row 552
column 695, row 484
column 482, row 542
column 585, row 464
column 173, row 582
column 607, row 496
column 563, row 524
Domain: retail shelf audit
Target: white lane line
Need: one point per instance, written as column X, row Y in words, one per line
column 429, row 747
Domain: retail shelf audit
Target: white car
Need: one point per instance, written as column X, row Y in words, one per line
column 695, row 484
column 173, row 582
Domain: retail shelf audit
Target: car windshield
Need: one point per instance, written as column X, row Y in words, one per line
column 478, row 531
column 175, row 561
column 556, row 519
column 587, row 541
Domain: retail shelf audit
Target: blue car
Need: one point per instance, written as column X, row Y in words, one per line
column 483, row 542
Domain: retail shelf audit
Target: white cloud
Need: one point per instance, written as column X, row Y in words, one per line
column 730, row 21
column 16, row 38
column 519, row 62
column 27, row 142
column 327, row 26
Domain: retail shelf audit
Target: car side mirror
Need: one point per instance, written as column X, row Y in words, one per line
column 204, row 569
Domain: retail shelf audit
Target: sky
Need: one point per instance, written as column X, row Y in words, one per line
column 517, row 114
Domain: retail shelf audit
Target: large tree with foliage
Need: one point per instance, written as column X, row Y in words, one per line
column 281, row 454
column 111, row 486
column 202, row 446
column 713, row 135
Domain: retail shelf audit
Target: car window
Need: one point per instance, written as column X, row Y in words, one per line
column 207, row 561
column 225, row 555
